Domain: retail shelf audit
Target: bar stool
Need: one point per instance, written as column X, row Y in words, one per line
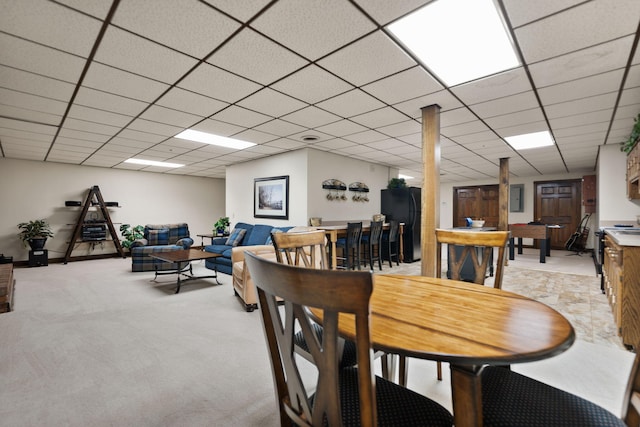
column 372, row 245
column 350, row 246
column 391, row 240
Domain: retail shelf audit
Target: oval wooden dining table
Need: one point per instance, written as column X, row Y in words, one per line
column 465, row 324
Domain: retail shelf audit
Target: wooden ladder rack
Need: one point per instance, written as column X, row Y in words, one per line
column 94, row 195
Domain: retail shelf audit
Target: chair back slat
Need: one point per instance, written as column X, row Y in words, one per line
column 336, row 293
column 305, row 249
column 472, row 242
column 631, row 402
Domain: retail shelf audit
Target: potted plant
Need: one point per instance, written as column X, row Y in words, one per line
column 396, row 183
column 131, row 234
column 627, row 145
column 35, row 233
column 221, row 225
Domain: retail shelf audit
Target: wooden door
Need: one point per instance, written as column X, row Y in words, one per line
column 479, row 202
column 558, row 202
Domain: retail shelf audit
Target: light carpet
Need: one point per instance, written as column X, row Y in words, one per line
column 91, row 343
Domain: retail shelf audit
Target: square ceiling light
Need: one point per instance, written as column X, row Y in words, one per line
column 458, row 40
column 209, row 138
column 530, row 140
column 153, row 163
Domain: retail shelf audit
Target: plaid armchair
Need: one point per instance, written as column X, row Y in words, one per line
column 159, row 238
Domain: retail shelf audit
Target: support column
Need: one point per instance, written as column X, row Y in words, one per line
column 430, row 188
column 503, row 195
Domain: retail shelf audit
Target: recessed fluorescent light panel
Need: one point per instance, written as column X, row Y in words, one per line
column 530, row 140
column 404, row 176
column 209, row 138
column 459, row 40
column 153, row 163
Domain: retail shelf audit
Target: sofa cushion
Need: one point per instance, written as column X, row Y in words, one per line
column 258, row 235
column 218, row 249
column 158, row 237
column 235, row 237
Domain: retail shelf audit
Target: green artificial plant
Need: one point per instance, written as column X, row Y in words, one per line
column 221, row 224
column 628, row 144
column 131, row 234
column 37, row 229
column 397, row 183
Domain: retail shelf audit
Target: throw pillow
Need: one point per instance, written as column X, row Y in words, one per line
column 236, row 237
column 158, row 237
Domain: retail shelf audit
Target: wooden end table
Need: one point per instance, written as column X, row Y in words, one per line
column 183, row 258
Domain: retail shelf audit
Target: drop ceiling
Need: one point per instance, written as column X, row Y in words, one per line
column 96, row 82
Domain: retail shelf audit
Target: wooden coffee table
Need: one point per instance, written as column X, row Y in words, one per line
column 183, row 258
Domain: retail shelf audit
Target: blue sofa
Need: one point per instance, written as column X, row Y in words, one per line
column 256, row 234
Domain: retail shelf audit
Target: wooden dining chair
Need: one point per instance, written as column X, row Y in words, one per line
column 309, row 249
column 512, row 399
column 350, row 246
column 372, row 245
column 351, row 396
column 466, row 248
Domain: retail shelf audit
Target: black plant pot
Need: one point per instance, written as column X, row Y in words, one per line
column 37, row 243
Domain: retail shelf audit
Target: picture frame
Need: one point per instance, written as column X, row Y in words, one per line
column 271, row 197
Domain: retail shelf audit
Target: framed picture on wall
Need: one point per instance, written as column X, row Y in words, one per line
column 271, row 197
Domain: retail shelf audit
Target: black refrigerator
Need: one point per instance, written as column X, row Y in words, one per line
column 403, row 205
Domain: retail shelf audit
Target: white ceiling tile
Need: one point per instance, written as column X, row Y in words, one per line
column 519, row 117
column 32, row 20
column 257, row 137
column 131, row 143
column 580, row 119
column 633, row 78
column 366, row 137
column 522, row 129
column 333, row 144
column 190, row 102
column 242, row 10
column 384, row 11
column 6, row 123
column 98, row 116
column 272, row 103
column 257, row 58
column 83, row 125
column 170, row 117
column 457, row 116
column 586, row 130
column 79, row 145
column 520, row 11
column 219, row 84
column 577, row 28
column 217, row 127
column 463, row 129
column 279, row 128
column 31, row 102
column 581, row 88
column 189, row 26
column 154, row 127
column 21, row 134
column 407, row 127
column 129, row 52
column 34, row 84
column 405, row 85
column 508, row 104
column 585, row 105
column 27, row 56
column 492, row 87
column 351, row 103
column 241, row 117
column 311, row 117
column 105, row 101
column 313, row 28
column 360, row 63
column 141, row 136
column 593, row 60
column 29, row 115
column 312, row 84
column 96, row 8
column 630, row 96
column 118, row 82
column 381, row 117
column 341, row 128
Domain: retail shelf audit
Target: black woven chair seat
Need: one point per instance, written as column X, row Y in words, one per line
column 397, row 406
column 510, row 399
column 349, row 355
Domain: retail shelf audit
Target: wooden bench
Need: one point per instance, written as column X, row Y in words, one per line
column 6, row 287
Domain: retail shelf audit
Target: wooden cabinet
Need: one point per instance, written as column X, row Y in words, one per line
column 633, row 173
column 6, row 287
column 621, row 271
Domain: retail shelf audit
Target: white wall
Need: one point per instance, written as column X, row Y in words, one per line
column 613, row 205
column 307, row 168
column 37, row 190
